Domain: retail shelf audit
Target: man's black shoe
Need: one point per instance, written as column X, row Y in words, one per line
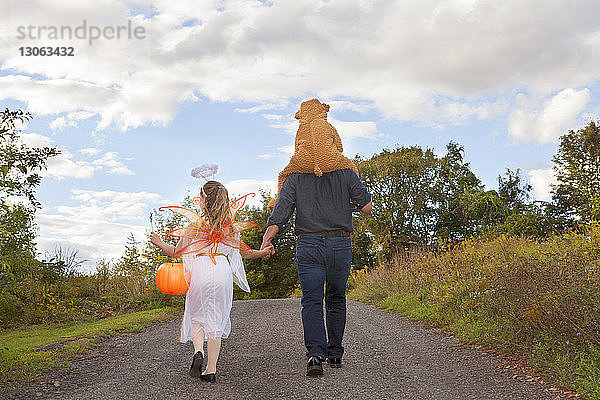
column 334, row 362
column 314, row 366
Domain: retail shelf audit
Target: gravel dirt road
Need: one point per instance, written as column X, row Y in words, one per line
column 386, row 357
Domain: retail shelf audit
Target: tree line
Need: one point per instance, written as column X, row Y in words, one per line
column 421, row 199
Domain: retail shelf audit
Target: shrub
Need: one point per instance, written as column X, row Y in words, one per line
column 539, row 299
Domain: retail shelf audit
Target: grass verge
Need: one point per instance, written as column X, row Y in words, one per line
column 28, row 352
column 538, row 301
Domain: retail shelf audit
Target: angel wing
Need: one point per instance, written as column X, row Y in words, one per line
column 196, row 246
column 192, row 216
column 205, row 237
column 235, row 206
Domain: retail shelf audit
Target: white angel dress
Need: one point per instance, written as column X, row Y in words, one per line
column 210, row 293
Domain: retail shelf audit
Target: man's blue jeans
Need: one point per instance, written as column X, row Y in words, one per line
column 323, row 260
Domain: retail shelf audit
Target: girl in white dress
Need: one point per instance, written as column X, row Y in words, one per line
column 210, row 293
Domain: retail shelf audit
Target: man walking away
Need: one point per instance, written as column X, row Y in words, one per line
column 323, row 253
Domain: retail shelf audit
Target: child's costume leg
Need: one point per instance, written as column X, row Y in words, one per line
column 198, row 340
column 213, row 348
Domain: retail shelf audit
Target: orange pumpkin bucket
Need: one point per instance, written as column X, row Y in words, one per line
column 170, row 279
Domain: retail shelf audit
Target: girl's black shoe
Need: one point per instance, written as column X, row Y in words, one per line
column 208, row 377
column 196, row 368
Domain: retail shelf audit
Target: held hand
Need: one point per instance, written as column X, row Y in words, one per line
column 267, row 237
column 265, row 243
column 269, row 251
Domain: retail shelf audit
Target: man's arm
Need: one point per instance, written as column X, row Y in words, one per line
column 282, row 211
column 359, row 194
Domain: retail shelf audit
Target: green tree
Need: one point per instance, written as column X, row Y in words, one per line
column 482, row 211
column 577, row 168
column 163, row 223
column 131, row 267
column 400, row 183
column 65, row 260
column 363, row 252
column 19, row 164
column 514, row 191
column 417, row 197
column 19, row 169
column 454, row 180
column 509, row 209
column 524, row 216
column 531, row 221
column 19, row 177
column 421, row 199
column 17, row 234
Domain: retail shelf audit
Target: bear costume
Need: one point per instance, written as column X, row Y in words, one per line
column 318, row 147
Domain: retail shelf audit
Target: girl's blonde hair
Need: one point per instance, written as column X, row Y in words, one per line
column 216, row 203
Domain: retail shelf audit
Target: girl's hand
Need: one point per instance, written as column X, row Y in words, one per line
column 267, row 252
column 155, row 239
column 263, row 253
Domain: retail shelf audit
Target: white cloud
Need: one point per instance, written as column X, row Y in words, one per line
column 344, row 105
column 540, row 180
column 92, row 196
column 241, row 187
column 114, row 166
column 287, row 149
column 459, row 112
column 273, row 117
column 35, row 140
column 90, row 151
column 556, row 117
column 100, row 224
column 60, row 123
column 261, row 107
column 63, row 166
column 109, row 205
column 346, row 129
column 432, row 61
column 288, row 125
column 94, row 239
column 265, row 156
column 79, row 115
column 354, row 129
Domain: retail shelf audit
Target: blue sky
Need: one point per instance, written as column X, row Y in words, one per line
column 220, row 81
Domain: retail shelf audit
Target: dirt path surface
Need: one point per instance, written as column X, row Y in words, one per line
column 386, row 357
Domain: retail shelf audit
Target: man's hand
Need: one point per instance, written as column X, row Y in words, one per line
column 368, row 208
column 267, row 238
column 265, row 245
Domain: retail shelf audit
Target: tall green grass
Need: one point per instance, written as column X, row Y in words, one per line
column 513, row 294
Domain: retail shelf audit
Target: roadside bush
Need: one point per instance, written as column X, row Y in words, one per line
column 537, row 299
